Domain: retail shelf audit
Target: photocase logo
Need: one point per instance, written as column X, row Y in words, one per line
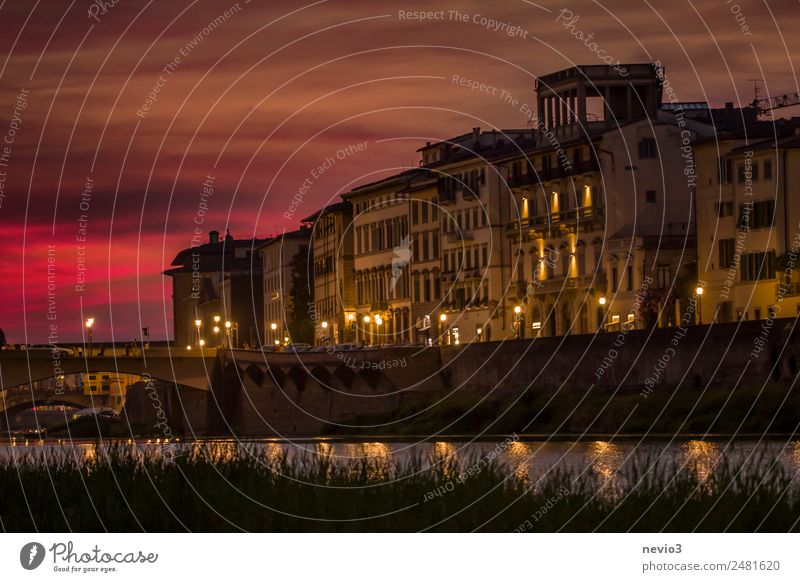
column 31, row 555
column 401, row 258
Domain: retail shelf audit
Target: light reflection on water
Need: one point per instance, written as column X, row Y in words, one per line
column 701, row 457
column 525, row 459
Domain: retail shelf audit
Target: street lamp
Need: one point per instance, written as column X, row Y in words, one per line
column 378, row 322
column 699, row 291
column 324, row 325
column 366, row 319
column 601, row 313
column 232, row 329
column 89, row 324
column 216, row 318
column 188, row 348
column 202, row 342
column 517, row 320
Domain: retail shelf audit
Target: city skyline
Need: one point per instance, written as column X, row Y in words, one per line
column 88, row 136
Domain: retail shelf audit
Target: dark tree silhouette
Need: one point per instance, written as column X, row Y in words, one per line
column 2, row 338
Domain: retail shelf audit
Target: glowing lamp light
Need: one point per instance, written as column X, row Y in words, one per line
column 443, row 317
column 517, row 309
column 228, row 324
column 90, row 322
column 699, row 290
column 197, row 322
column 602, row 301
column 202, row 342
column 216, row 329
column 188, row 348
column 216, row 318
column 366, row 319
column 324, row 325
column 273, row 326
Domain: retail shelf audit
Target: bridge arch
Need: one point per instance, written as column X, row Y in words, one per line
column 378, row 381
column 298, row 376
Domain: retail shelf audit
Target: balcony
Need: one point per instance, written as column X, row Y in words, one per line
column 582, row 282
column 537, row 225
column 523, row 180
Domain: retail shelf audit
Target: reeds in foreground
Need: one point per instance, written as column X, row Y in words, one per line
column 123, row 489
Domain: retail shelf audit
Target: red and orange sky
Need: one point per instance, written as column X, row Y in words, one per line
column 265, row 94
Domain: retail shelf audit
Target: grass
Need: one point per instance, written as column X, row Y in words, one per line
column 122, row 490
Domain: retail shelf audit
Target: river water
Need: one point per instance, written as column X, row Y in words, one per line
column 531, row 457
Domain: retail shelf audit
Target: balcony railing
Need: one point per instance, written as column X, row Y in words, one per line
column 555, row 284
column 554, row 219
column 554, row 173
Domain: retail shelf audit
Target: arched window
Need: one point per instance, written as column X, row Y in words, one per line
column 580, row 258
column 550, row 261
column 566, row 260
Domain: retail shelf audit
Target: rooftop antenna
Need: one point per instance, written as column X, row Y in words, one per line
column 756, row 89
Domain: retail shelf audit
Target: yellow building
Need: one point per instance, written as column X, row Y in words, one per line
column 602, row 233
column 113, row 385
column 277, row 255
column 382, row 257
column 334, row 278
column 748, row 211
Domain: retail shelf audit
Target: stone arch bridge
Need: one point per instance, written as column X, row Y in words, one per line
column 247, row 392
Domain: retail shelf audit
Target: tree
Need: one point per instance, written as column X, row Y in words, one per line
column 663, row 300
column 2, row 338
column 300, row 302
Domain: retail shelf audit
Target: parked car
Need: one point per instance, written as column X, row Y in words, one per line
column 55, row 349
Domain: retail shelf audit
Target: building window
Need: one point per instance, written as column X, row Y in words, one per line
column 424, row 212
column 664, row 276
column 629, row 276
column 723, row 208
column 725, row 170
column 726, row 253
column 768, row 169
column 614, row 279
column 741, row 173
column 758, row 266
column 414, row 213
column 762, row 213
column 563, row 201
column 647, row 149
column 650, row 196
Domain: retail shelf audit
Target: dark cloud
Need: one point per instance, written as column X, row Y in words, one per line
column 257, row 105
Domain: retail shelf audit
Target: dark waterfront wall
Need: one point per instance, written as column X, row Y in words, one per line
column 669, row 377
column 749, row 352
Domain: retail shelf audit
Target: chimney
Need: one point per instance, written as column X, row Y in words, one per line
column 213, row 237
column 476, row 134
